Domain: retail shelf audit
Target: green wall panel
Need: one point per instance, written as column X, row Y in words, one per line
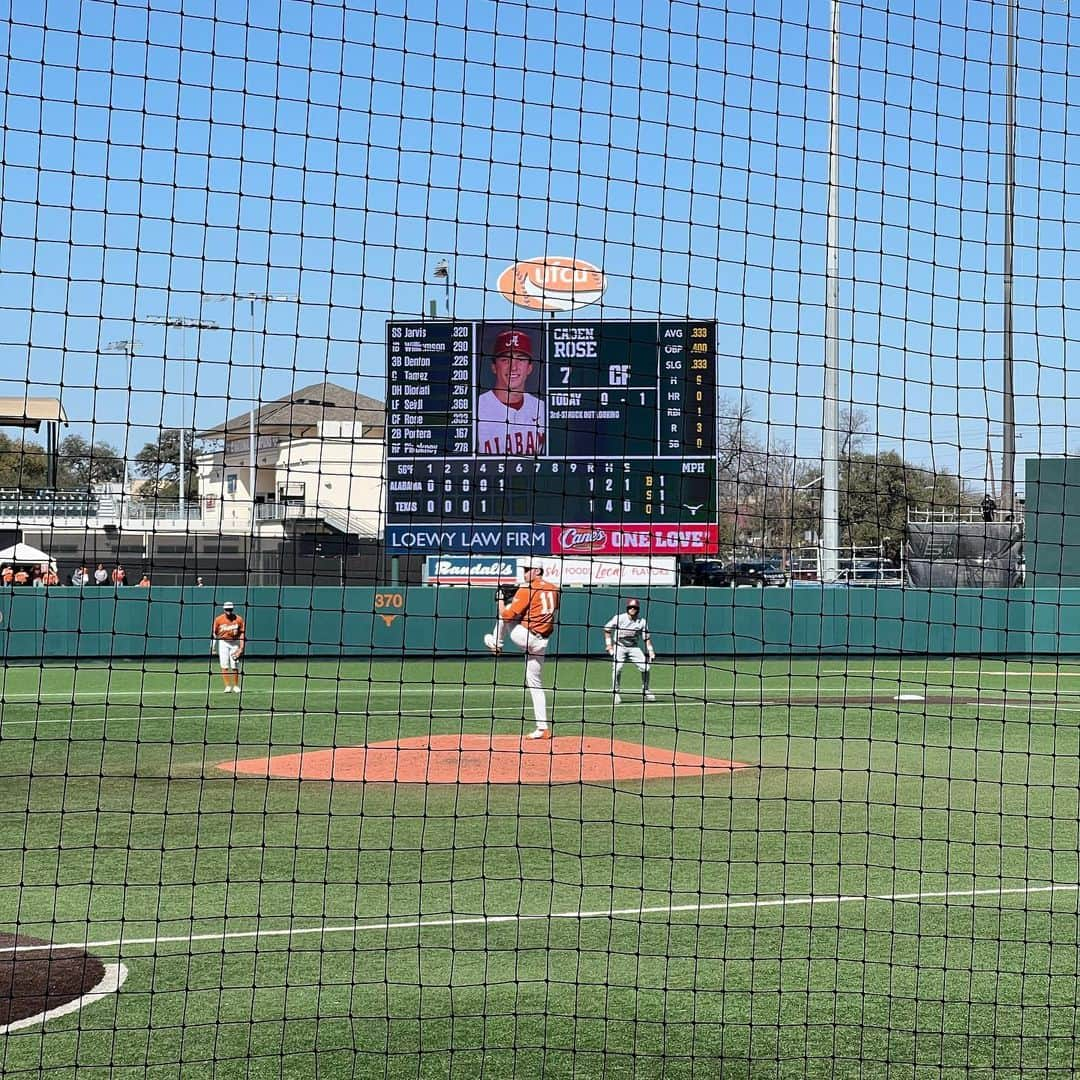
column 133, row 623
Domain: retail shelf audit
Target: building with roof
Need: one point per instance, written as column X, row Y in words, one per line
column 319, row 461
column 314, row 516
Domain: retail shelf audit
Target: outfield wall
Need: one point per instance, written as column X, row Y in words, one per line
column 291, row 621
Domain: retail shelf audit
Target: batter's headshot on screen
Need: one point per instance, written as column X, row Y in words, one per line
column 510, row 414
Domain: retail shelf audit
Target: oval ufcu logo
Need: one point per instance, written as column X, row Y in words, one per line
column 552, row 283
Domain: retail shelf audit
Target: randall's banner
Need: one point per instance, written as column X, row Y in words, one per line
column 469, row 570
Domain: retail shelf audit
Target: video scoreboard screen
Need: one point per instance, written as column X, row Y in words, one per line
column 551, row 437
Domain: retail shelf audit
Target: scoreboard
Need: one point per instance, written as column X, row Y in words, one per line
column 596, row 436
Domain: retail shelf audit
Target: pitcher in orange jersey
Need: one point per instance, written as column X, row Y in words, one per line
column 531, row 617
column 229, row 640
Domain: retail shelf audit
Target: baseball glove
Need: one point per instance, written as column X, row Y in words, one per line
column 507, row 592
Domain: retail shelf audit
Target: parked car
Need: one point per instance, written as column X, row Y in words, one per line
column 757, row 574
column 870, row 572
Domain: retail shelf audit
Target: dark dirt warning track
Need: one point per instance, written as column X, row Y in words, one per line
column 485, row 759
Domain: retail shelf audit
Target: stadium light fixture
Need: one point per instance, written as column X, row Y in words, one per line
column 183, row 323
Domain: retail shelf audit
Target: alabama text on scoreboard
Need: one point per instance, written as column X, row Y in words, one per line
column 576, row 428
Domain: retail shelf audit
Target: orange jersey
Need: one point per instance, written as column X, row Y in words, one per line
column 226, row 629
column 535, row 605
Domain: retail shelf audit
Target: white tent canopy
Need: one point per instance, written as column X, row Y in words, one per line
column 24, row 554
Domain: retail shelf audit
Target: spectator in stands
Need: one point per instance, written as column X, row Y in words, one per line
column 80, row 577
column 21, row 576
column 36, row 578
column 49, row 576
column 7, row 574
column 101, row 575
column 199, row 583
column 144, row 581
column 119, row 576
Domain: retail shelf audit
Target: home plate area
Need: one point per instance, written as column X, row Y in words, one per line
column 486, row 759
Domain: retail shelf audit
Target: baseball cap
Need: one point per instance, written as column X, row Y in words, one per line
column 514, row 341
column 228, row 605
column 633, row 603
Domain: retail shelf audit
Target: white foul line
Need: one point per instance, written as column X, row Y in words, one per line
column 580, row 916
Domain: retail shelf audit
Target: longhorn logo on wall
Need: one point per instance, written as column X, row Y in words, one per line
column 552, row 283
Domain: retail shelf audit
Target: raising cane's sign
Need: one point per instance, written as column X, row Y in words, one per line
column 635, row 540
column 552, row 283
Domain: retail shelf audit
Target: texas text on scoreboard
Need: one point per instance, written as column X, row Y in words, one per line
column 597, row 436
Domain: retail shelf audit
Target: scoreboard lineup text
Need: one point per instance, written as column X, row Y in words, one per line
column 627, row 411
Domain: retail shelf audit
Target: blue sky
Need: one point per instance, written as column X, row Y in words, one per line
column 153, row 152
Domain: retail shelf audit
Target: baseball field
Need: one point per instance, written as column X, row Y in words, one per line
column 782, row 868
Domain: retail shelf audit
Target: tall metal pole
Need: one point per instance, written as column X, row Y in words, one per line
column 182, row 478
column 126, row 347
column 830, row 458
column 252, row 298
column 251, row 412
column 183, row 323
column 1008, row 416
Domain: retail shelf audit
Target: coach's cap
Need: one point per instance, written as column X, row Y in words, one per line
column 514, row 341
column 228, row 605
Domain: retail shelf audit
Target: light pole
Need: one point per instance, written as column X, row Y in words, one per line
column 441, row 272
column 251, row 298
column 830, row 458
column 125, row 347
column 183, row 323
column 1008, row 406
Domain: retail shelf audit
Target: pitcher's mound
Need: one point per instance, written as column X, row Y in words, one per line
column 485, row 759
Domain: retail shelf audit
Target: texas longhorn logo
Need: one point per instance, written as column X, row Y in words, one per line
column 552, row 283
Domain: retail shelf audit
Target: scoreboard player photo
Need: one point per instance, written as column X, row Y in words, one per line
column 511, row 418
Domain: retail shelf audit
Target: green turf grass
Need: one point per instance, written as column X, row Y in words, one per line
column 114, row 823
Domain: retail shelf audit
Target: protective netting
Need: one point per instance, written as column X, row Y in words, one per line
column 599, row 480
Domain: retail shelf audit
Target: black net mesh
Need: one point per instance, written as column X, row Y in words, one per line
column 537, row 539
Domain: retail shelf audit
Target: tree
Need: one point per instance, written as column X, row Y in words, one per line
column 876, row 491
column 23, row 464
column 83, row 464
column 739, row 479
column 158, row 463
column 854, row 424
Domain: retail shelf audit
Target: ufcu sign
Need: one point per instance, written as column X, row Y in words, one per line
column 552, row 283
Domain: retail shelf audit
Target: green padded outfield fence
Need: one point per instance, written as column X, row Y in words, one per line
column 449, row 622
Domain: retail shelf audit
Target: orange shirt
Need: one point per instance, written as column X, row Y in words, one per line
column 535, row 604
column 226, row 629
